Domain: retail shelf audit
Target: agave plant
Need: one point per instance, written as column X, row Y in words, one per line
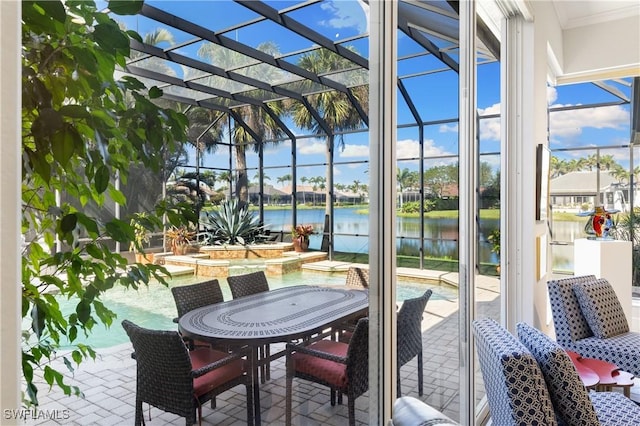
column 232, row 223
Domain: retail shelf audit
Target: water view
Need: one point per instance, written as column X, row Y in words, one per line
column 352, row 229
column 441, row 235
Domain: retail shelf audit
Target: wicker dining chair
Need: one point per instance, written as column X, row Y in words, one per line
column 246, row 285
column 343, row 367
column 190, row 297
column 174, row 379
column 409, row 335
column 357, row 277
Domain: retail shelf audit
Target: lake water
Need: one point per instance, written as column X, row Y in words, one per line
column 441, row 235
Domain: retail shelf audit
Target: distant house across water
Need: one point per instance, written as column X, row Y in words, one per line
column 577, row 191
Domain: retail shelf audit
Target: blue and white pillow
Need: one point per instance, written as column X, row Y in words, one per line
column 569, row 397
column 601, row 308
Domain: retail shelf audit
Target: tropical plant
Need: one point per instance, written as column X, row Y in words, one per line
column 627, row 228
column 79, row 132
column 254, row 117
column 302, row 231
column 179, row 238
column 335, row 108
column 494, row 239
column 232, row 223
column 143, row 224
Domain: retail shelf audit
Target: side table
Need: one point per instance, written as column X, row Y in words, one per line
column 608, row 375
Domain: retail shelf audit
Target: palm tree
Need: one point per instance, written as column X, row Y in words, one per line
column 253, row 116
column 335, row 108
column 304, row 180
column 620, row 173
column 402, row 179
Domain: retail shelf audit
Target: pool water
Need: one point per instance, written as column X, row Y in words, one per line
column 153, row 306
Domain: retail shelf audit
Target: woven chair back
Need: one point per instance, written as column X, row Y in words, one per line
column 358, row 358
column 409, row 333
column 190, row 297
column 357, row 277
column 163, row 369
column 247, row 284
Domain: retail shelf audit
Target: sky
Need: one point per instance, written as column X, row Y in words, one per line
column 435, row 95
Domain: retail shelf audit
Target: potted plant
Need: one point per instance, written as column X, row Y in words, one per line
column 300, row 236
column 179, row 239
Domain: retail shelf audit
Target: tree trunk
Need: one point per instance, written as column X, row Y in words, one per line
column 242, row 190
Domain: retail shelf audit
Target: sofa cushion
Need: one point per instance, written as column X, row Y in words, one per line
column 568, row 395
column 601, row 308
column 615, row 409
column 570, row 324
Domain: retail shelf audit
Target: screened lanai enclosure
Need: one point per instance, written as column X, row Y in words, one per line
column 277, row 99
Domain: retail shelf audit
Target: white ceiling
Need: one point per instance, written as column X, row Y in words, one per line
column 578, row 13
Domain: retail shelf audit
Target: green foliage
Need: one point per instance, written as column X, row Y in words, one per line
column 494, row 239
column 233, row 223
column 627, row 227
column 414, row 206
column 80, row 129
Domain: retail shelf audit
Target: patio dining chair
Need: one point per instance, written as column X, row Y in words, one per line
column 409, row 335
column 342, row 367
column 179, row 381
column 356, row 278
column 190, row 297
column 246, row 285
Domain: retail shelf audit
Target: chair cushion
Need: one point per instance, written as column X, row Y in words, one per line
column 569, row 322
column 213, row 379
column 622, row 350
column 515, row 387
column 615, row 409
column 330, row 372
column 601, row 308
column 568, row 395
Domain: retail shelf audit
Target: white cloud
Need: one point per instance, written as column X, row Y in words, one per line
column 490, row 127
column 351, row 150
column 562, row 124
column 347, row 14
column 448, row 128
column 568, row 124
column 311, row 146
column 409, row 148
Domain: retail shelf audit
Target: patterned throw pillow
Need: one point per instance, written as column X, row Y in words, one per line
column 601, row 308
column 569, row 396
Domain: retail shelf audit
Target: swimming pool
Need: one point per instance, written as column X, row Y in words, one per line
column 153, row 306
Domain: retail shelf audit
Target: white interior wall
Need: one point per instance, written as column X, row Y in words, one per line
column 601, row 51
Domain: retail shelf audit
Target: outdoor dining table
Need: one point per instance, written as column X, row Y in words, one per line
column 279, row 315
